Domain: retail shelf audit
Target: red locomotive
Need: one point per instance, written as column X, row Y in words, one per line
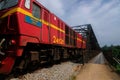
column 31, row 35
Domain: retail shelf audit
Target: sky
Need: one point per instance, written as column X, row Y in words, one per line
column 103, row 15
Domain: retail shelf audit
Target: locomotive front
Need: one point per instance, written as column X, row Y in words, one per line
column 8, row 35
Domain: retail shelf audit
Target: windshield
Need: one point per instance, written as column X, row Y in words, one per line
column 4, row 4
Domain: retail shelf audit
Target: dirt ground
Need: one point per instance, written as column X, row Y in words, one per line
column 97, row 71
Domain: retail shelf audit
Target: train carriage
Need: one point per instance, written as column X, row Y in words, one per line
column 31, row 35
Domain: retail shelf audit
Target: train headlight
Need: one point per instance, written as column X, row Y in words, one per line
column 12, row 42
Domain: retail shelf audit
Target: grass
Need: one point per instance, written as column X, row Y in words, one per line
column 73, row 77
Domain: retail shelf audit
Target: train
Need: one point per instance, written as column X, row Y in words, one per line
column 31, row 35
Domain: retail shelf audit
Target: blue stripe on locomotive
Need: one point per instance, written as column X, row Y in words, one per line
column 30, row 20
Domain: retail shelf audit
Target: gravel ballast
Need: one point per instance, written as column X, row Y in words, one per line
column 63, row 71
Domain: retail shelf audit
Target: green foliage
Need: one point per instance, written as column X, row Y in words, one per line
column 116, row 52
column 118, row 67
column 114, row 49
column 73, row 77
column 112, row 52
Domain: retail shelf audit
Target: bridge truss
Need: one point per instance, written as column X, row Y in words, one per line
column 92, row 44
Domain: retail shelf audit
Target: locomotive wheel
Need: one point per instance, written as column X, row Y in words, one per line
column 32, row 66
column 50, row 61
column 26, row 63
column 22, row 68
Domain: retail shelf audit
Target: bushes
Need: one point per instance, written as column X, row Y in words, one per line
column 112, row 54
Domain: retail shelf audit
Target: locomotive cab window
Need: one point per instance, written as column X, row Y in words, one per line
column 36, row 11
column 5, row 4
column 27, row 4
